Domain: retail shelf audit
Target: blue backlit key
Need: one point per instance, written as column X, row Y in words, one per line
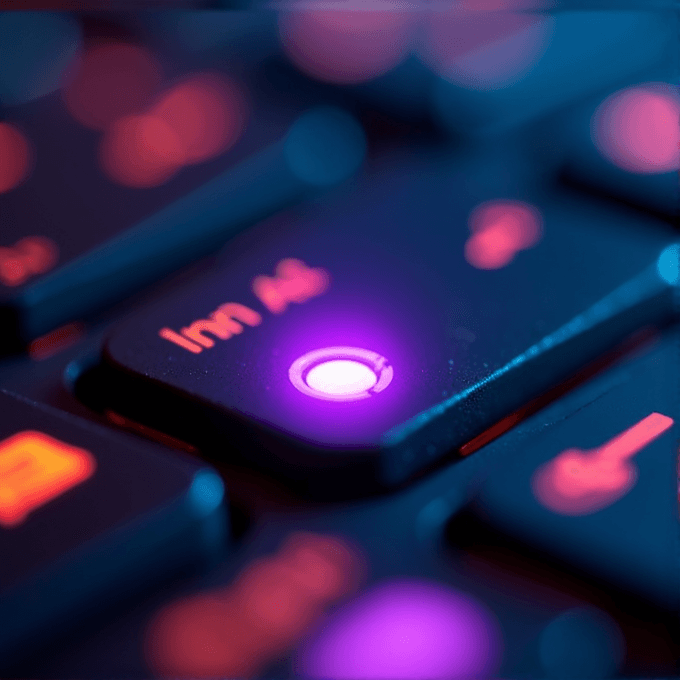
column 594, row 483
column 365, row 338
column 87, row 517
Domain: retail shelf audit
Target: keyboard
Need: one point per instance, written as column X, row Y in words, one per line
column 340, row 343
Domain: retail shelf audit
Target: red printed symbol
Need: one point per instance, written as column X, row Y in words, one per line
column 500, row 229
column 294, row 282
column 28, row 256
column 580, row 482
column 222, row 323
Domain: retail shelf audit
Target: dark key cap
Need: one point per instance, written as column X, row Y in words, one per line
column 595, row 485
column 510, row 79
column 88, row 516
column 376, row 333
column 323, row 147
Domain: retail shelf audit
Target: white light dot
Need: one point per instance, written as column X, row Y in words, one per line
column 341, row 376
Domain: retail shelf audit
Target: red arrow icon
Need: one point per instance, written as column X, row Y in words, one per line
column 578, row 482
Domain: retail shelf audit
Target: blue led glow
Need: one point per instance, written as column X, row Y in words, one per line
column 325, row 146
column 667, row 264
column 206, row 493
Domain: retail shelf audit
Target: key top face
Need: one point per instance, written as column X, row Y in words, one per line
column 86, row 515
column 598, row 488
column 396, row 323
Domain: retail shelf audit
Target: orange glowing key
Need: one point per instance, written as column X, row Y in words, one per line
column 34, row 469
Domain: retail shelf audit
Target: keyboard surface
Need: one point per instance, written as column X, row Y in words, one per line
column 340, row 345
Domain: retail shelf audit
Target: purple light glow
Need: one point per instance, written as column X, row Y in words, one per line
column 341, row 373
column 341, row 377
column 415, row 630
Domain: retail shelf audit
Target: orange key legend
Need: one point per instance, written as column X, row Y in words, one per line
column 34, row 469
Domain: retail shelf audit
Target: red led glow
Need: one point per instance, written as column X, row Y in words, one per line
column 346, row 46
column 239, row 630
column 113, row 80
column 638, row 128
column 15, row 157
column 54, row 342
column 500, row 229
column 582, row 482
column 34, row 469
column 294, row 282
column 27, row 257
column 207, row 112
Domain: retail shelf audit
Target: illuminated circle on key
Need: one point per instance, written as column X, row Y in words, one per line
column 341, row 373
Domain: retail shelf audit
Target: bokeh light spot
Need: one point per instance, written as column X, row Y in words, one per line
column 112, row 80
column 29, row 256
column 15, row 157
column 235, row 632
column 346, row 46
column 207, row 112
column 482, row 50
column 412, row 630
column 141, row 151
column 500, row 229
column 324, row 146
column 638, row 129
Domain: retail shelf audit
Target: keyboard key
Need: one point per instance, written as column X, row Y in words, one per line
column 379, row 331
column 82, row 524
column 272, row 603
column 625, row 145
column 597, row 488
column 510, row 81
column 322, row 148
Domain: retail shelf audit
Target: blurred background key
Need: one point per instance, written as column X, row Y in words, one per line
column 548, row 61
column 597, row 486
column 320, row 150
column 625, row 145
column 82, row 525
column 111, row 139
